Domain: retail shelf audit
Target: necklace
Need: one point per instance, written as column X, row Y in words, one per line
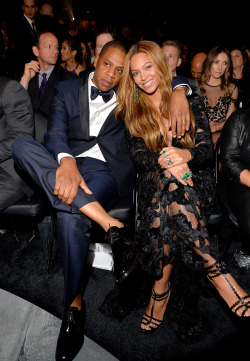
column 213, row 86
column 66, row 66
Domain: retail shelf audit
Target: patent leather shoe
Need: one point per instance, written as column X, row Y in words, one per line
column 124, row 248
column 71, row 336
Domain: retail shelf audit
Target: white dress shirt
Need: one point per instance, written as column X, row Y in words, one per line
column 31, row 22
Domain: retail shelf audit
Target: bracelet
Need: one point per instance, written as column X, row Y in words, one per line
column 182, row 87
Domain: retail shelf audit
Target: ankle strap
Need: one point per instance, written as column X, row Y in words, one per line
column 160, row 297
column 216, row 269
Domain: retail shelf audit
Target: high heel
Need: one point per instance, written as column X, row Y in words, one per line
column 146, row 319
column 243, row 303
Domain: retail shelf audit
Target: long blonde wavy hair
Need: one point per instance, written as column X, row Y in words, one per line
column 139, row 115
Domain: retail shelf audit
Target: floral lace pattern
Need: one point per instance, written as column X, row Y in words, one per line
column 172, row 216
column 218, row 112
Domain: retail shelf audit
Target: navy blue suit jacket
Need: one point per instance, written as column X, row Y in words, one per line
column 68, row 131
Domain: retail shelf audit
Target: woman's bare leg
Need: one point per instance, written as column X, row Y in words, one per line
column 98, row 214
column 160, row 287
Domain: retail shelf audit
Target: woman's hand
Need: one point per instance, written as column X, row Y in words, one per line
column 172, row 156
column 216, row 126
column 181, row 171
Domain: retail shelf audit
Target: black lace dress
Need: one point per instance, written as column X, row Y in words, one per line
column 172, row 216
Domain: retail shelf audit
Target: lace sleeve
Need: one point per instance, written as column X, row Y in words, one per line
column 202, row 153
column 143, row 159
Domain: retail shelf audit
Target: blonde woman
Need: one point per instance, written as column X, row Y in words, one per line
column 219, row 94
column 174, row 183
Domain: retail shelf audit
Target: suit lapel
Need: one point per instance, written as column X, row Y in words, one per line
column 34, row 89
column 84, row 106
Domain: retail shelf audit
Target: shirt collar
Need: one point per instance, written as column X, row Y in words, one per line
column 28, row 19
column 48, row 72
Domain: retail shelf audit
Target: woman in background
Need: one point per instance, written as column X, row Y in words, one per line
column 219, row 94
column 241, row 76
column 71, row 56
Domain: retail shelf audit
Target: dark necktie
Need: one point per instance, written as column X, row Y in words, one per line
column 42, row 86
column 33, row 27
column 106, row 96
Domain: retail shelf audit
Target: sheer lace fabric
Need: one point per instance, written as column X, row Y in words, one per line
column 172, row 216
column 216, row 104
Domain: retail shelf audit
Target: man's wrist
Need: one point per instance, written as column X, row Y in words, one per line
column 185, row 87
column 62, row 156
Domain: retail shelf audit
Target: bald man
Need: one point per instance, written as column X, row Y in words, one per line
column 47, row 9
column 196, row 65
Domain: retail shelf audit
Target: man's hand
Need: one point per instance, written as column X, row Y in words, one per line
column 30, row 70
column 179, row 114
column 68, row 180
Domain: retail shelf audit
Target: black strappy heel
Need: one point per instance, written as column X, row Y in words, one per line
column 243, row 303
column 146, row 319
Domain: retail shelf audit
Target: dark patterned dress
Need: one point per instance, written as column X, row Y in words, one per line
column 172, row 216
column 214, row 95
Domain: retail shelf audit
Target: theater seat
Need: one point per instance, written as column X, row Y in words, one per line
column 36, row 210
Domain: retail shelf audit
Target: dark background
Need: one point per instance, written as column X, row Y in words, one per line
column 197, row 23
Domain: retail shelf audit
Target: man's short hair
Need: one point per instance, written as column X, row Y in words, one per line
column 174, row 43
column 114, row 44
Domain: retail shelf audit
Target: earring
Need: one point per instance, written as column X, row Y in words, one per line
column 136, row 94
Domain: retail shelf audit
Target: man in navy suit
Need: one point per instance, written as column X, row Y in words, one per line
column 84, row 169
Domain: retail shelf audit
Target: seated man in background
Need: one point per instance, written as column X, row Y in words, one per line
column 196, row 66
column 172, row 50
column 16, row 121
column 40, row 76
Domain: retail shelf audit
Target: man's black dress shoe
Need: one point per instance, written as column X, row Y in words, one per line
column 71, row 334
column 124, row 248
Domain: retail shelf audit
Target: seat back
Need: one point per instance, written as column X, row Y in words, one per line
column 41, row 123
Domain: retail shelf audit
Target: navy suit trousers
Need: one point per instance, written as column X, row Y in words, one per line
column 73, row 227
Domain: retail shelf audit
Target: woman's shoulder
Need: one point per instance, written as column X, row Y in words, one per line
column 232, row 87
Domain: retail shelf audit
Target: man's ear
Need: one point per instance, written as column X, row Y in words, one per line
column 35, row 50
column 96, row 60
column 179, row 62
